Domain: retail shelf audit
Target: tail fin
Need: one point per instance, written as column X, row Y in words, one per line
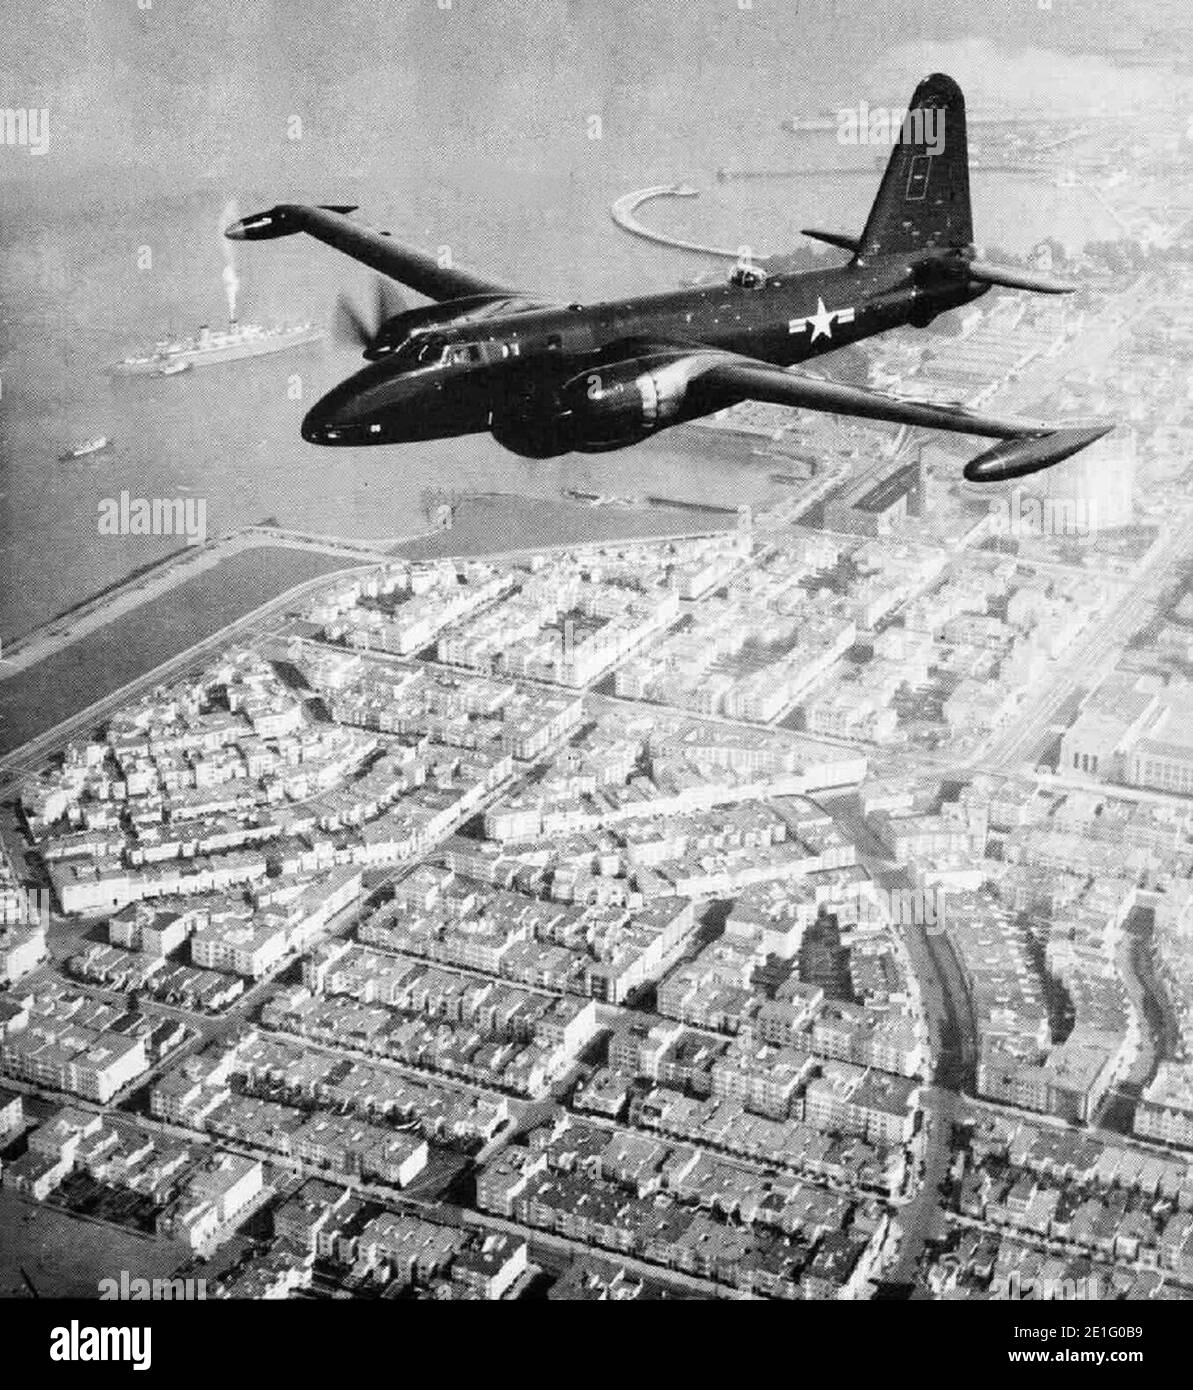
column 923, row 201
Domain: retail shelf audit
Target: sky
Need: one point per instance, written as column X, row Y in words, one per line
column 182, row 89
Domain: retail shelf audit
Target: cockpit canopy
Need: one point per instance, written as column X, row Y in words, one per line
column 420, row 350
column 747, row 276
column 416, row 350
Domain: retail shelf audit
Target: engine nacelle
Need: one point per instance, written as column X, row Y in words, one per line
column 620, row 403
column 608, row 406
column 542, row 435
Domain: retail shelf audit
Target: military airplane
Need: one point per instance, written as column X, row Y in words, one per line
column 548, row 379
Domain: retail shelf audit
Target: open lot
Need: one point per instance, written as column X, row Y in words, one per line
column 66, row 1256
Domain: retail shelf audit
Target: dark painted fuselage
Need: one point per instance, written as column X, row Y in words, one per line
column 466, row 377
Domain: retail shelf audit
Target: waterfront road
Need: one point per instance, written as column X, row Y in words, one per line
column 30, row 756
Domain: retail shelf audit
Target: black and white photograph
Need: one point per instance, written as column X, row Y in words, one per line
column 596, row 672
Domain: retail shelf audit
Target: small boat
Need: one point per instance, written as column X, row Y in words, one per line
column 101, row 444
column 172, row 368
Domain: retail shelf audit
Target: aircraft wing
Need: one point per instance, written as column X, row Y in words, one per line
column 420, row 272
column 1027, row 446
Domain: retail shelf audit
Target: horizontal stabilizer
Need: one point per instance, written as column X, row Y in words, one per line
column 1015, row 279
column 846, row 243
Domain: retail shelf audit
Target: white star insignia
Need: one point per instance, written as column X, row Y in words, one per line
column 821, row 321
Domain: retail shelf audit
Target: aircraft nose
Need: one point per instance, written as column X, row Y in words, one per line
column 330, row 419
column 372, row 407
column 317, row 424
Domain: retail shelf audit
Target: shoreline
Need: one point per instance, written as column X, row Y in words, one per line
column 151, row 580
column 158, row 623
column 580, row 521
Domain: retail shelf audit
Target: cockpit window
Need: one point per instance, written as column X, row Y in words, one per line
column 421, row 351
column 747, row 276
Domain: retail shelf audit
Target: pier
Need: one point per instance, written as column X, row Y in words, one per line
column 624, row 209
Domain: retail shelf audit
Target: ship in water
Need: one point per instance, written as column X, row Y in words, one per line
column 210, row 346
column 100, row 445
column 602, row 499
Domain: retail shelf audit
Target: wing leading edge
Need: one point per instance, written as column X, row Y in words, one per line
column 420, row 272
column 1026, row 446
